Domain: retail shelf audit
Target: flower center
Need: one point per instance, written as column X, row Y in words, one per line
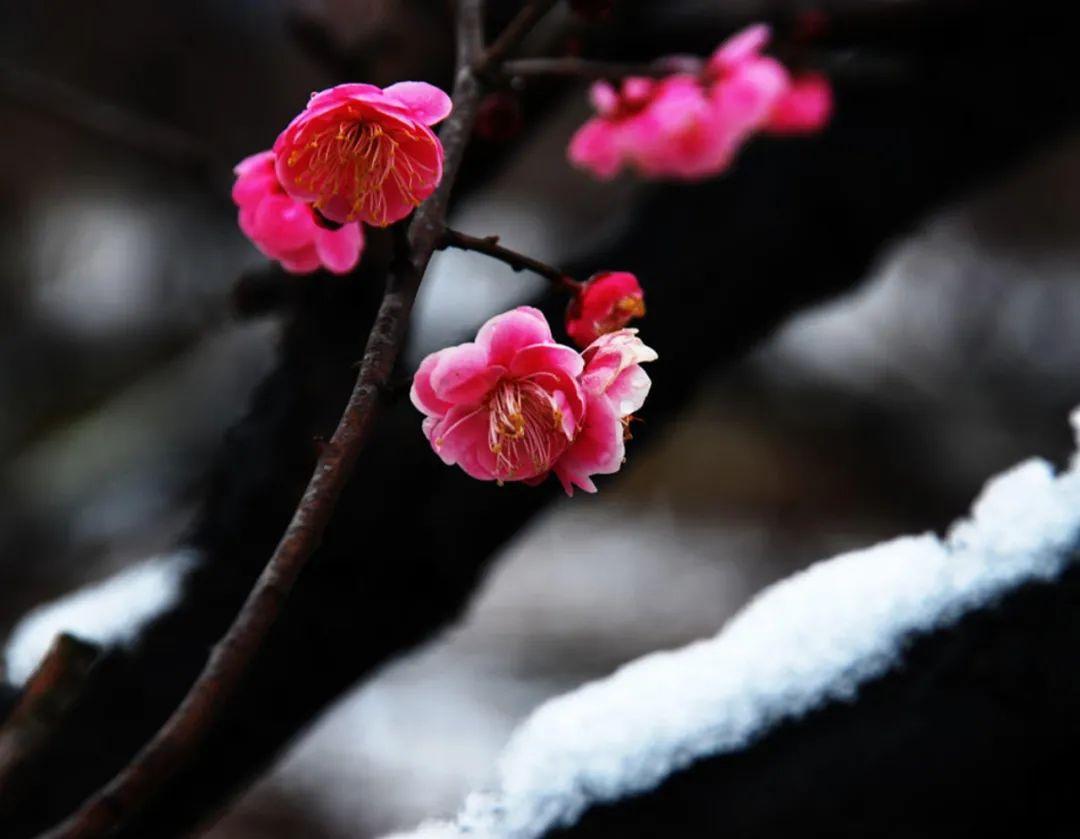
column 625, row 310
column 357, row 161
column 524, row 428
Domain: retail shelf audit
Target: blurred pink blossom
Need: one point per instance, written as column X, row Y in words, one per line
column 690, row 126
column 286, row 229
column 361, row 153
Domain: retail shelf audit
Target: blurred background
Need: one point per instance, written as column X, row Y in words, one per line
column 122, row 364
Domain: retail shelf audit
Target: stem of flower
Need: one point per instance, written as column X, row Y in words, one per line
column 508, row 40
column 581, row 68
column 489, row 245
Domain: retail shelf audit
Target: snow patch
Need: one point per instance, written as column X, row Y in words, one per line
column 811, row 639
column 111, row 612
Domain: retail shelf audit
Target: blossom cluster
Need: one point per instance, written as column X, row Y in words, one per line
column 515, row 405
column 690, row 125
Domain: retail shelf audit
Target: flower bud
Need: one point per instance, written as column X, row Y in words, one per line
column 606, row 302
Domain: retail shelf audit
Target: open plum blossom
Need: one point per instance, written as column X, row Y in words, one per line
column 691, row 125
column 605, row 302
column 362, row 153
column 285, row 229
column 514, row 405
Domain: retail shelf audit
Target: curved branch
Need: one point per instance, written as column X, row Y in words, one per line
column 511, row 36
column 583, row 68
column 189, row 724
column 489, row 246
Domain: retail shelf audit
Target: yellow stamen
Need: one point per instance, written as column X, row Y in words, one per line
column 358, row 160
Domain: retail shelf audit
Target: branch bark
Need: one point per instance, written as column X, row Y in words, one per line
column 45, row 700
column 514, row 33
column 584, row 68
column 489, row 246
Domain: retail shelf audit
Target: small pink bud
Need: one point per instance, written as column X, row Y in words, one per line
column 361, row 153
column 604, row 303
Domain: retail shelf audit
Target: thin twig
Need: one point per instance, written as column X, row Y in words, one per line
column 489, row 245
column 514, row 33
column 582, row 68
column 230, row 659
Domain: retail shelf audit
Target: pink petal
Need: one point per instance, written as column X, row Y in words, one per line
column 254, row 187
column 638, row 90
column 805, row 107
column 422, row 394
column 746, row 99
column 427, row 103
column 463, row 374
column 603, row 97
column 339, row 250
column 538, row 358
column 246, row 220
column 282, row 224
column 597, row 450
column 251, row 164
column 302, row 261
column 628, row 392
column 346, row 90
column 595, row 147
column 461, row 437
column 740, row 47
column 503, row 335
column 609, row 355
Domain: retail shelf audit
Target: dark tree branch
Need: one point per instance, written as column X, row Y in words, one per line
column 45, row 700
column 489, row 246
column 583, row 68
column 509, row 39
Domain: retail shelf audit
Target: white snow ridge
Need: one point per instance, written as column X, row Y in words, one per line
column 113, row 611
column 803, row 642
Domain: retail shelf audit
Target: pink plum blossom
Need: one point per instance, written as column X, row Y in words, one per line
column 514, row 405
column 805, row 107
column 362, row 153
column 691, row 125
column 615, row 388
column 665, row 128
column 605, row 302
column 286, row 229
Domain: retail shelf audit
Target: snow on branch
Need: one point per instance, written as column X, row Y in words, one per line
column 111, row 612
column 804, row 642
